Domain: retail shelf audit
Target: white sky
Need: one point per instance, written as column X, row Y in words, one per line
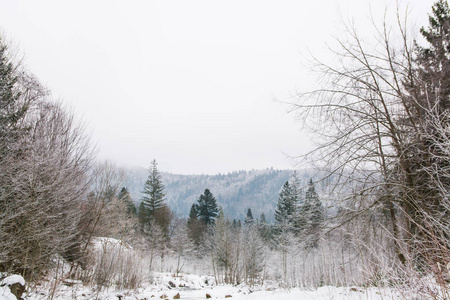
column 189, row 83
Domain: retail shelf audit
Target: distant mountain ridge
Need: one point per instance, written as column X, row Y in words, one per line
column 235, row 192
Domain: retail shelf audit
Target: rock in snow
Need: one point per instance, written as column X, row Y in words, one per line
column 12, row 287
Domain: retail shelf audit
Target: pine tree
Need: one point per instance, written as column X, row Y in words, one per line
column 154, row 194
column 193, row 215
column 434, row 61
column 194, row 226
column 296, row 190
column 207, row 208
column 430, row 108
column 297, row 195
column 262, row 219
column 249, row 218
column 311, row 212
column 124, row 195
column 425, row 156
column 234, row 224
column 14, row 102
column 285, row 206
column 239, row 224
column 264, row 228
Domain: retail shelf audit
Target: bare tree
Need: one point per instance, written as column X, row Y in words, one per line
column 181, row 243
column 43, row 190
column 105, row 181
column 380, row 130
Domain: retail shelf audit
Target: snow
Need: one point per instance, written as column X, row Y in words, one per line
column 101, row 243
column 10, row 280
column 5, row 293
column 194, row 287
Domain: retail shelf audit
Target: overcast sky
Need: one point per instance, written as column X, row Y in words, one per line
column 191, row 84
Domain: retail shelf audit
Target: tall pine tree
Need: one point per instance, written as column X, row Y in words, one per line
column 296, row 189
column 311, row 212
column 193, row 215
column 153, row 195
column 124, row 196
column 207, row 208
column 286, row 206
column 249, row 218
column 194, row 225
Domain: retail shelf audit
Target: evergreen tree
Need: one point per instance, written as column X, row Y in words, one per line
column 143, row 215
column 249, row 218
column 285, row 206
column 239, row 224
column 193, row 215
column 430, row 107
column 262, row 219
column 296, row 190
column 264, row 228
column 194, row 225
column 207, row 208
column 234, row 224
column 15, row 99
column 154, row 194
column 297, row 196
column 124, row 195
column 163, row 217
column 425, row 157
column 434, row 61
column 311, row 212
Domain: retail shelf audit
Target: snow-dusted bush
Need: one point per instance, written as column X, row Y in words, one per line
column 114, row 263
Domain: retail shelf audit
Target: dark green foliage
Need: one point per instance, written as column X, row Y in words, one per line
column 207, row 208
column 124, row 195
column 154, row 194
column 249, row 218
column 262, row 219
column 285, row 206
column 258, row 190
column 311, row 212
column 425, row 158
column 234, row 224
column 296, row 189
column 195, row 226
column 12, row 110
column 434, row 61
column 264, row 228
column 193, row 215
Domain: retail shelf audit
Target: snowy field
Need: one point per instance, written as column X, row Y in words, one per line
column 195, row 287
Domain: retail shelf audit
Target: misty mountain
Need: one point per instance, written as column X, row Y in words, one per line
column 235, row 192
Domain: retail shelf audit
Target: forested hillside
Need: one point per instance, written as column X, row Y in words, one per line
column 235, row 192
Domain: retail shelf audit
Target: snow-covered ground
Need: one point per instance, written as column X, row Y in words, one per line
column 193, row 287
column 188, row 286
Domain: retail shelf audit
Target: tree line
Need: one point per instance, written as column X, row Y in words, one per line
column 208, row 231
